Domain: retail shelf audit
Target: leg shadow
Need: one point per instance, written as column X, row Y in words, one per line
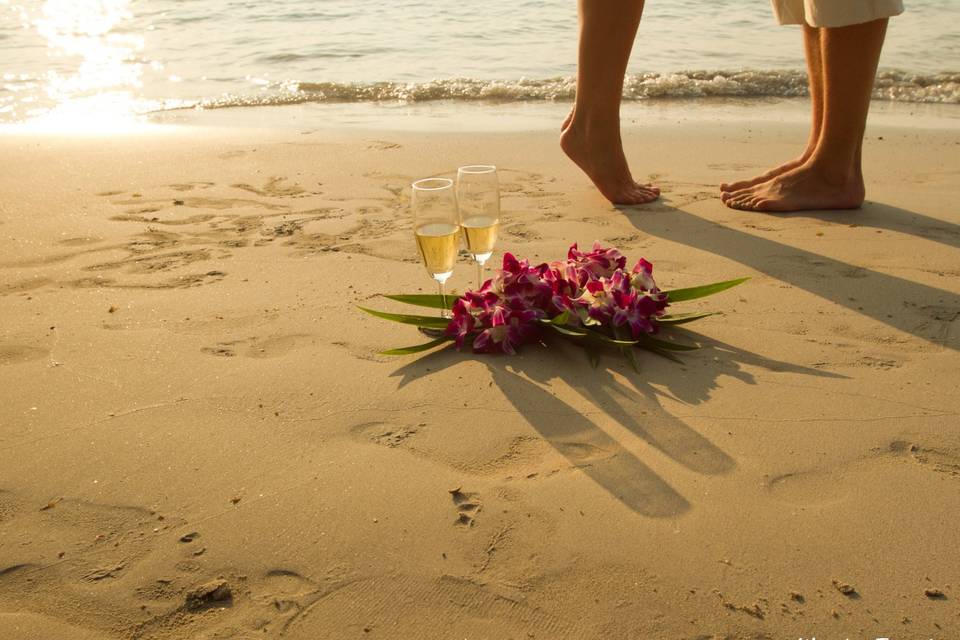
column 918, row 309
column 568, row 430
column 876, row 215
column 629, row 399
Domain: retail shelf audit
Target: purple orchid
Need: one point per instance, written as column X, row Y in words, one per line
column 521, row 285
column 566, row 282
column 593, row 288
column 504, row 312
column 637, row 311
column 643, row 277
column 509, row 329
column 600, row 262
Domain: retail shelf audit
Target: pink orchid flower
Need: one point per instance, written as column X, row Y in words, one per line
column 600, row 262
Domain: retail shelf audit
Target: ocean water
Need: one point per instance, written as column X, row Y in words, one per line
column 108, row 59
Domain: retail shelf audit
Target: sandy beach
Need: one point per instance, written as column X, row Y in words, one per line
column 198, row 440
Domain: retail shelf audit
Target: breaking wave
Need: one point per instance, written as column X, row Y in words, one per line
column 897, row 86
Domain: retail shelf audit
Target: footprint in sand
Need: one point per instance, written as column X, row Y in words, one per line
column 884, row 364
column 284, row 229
column 12, row 570
column 759, row 227
column 80, row 241
column 286, row 590
column 159, row 591
column 9, row 505
column 383, row 145
column 185, row 281
column 288, row 582
column 521, row 231
column 444, row 607
column 24, row 285
column 30, row 626
column 83, row 541
column 598, row 221
column 274, row 188
column 517, row 456
column 157, row 204
column 271, row 347
column 383, row 433
column 468, row 506
column 942, row 459
column 583, row 454
column 279, row 598
column 625, row 241
column 824, row 487
column 153, row 240
column 174, row 222
column 392, row 183
column 190, row 186
column 530, row 186
column 154, row 263
column 19, row 353
column 810, row 487
column 222, row 350
column 939, row 320
column 277, row 346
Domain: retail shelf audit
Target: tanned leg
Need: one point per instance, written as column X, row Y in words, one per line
column 591, row 134
column 811, row 46
column 832, row 177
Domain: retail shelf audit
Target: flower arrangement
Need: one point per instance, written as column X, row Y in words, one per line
column 590, row 298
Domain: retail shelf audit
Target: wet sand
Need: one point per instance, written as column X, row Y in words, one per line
column 198, row 440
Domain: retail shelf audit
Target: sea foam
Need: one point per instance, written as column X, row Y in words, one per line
column 897, row 86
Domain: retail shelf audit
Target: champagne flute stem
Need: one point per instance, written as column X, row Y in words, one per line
column 443, row 299
column 479, row 274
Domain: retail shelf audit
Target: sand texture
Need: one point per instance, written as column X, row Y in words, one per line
column 198, row 440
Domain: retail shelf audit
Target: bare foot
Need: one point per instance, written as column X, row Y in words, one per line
column 764, row 177
column 800, row 189
column 604, row 162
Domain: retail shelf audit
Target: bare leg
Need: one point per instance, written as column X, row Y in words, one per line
column 811, row 46
column 591, row 136
column 832, row 177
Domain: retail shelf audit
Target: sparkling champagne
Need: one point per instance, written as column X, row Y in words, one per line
column 481, row 235
column 437, row 242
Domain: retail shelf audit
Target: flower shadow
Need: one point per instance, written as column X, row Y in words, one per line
column 587, row 428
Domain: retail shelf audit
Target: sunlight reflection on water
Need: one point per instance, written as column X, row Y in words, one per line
column 98, row 94
column 84, row 66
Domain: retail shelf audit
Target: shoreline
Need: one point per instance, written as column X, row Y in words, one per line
column 460, row 116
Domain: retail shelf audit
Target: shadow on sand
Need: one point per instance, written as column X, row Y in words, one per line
column 918, row 309
column 615, row 393
column 532, row 382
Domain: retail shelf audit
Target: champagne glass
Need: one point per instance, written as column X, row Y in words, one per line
column 478, row 201
column 436, row 228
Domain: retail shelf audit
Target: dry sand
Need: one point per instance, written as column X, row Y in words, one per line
column 180, row 354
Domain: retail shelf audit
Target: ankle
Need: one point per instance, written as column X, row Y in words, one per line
column 832, row 171
column 595, row 126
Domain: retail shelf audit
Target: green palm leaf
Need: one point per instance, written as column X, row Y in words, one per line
column 417, row 348
column 431, row 322
column 648, row 341
column 434, row 301
column 692, row 293
column 592, row 336
column 683, row 318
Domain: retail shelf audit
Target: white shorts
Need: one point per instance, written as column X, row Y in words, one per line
column 834, row 13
